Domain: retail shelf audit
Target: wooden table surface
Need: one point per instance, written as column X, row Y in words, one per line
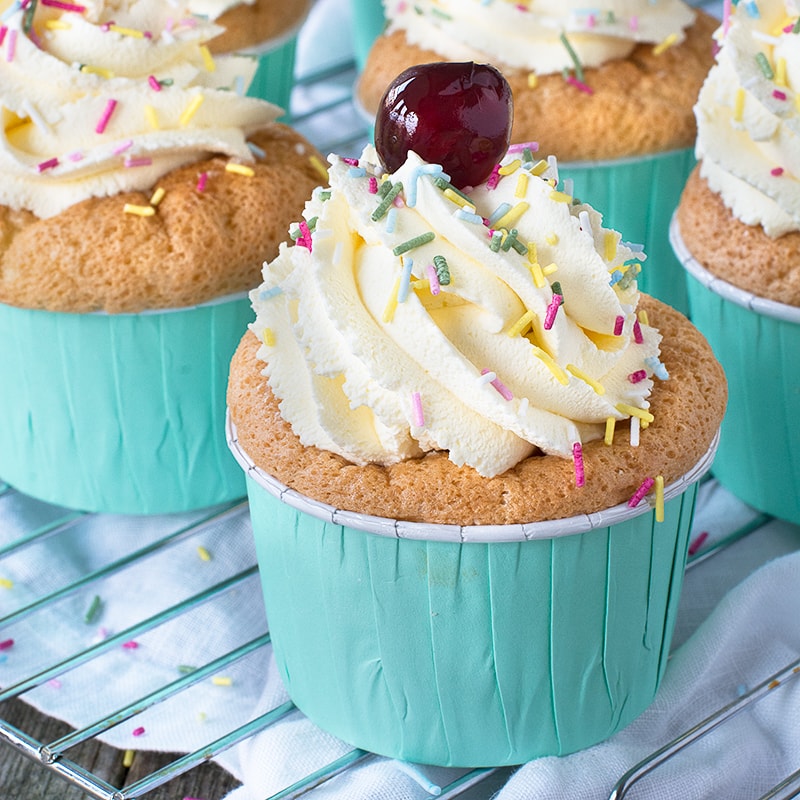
column 24, row 779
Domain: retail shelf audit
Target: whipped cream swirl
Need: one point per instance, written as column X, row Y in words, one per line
column 409, row 317
column 100, row 97
column 748, row 124
column 543, row 36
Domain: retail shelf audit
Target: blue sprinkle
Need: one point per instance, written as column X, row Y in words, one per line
column 500, row 211
column 405, row 280
column 256, row 150
column 391, row 219
column 356, row 172
column 266, row 294
column 468, row 216
column 657, row 368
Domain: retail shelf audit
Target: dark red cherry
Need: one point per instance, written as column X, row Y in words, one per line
column 458, row 115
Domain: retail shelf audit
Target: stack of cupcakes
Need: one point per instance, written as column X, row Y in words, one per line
column 737, row 232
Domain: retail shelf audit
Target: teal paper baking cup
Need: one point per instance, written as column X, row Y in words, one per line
column 757, row 341
column 637, row 196
column 469, row 646
column 368, row 22
column 120, row 413
column 274, row 78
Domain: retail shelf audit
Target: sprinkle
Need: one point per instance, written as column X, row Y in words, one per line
column 597, row 387
column 203, row 553
column 126, row 31
column 659, row 498
column 522, row 185
column 776, row 172
column 6, row 583
column 778, row 94
column 764, row 66
column 319, row 166
column 268, row 337
column 639, row 494
column 127, row 759
column 539, row 167
column 373, row 185
column 442, row 270
column 774, row 684
column 105, row 116
column 158, row 196
column 391, row 304
column 611, row 424
column 635, row 430
column 78, row 9
column 580, row 85
column 151, row 115
column 208, row 59
column 130, row 645
column 537, row 274
column 154, row 84
column 638, row 376
column 501, row 388
column 496, row 241
column 455, row 197
column 533, row 80
column 240, row 169
column 93, row 612
column 411, row 244
column 551, row 239
column 5, row 645
column 618, row 325
column 433, row 279
column 55, row 683
column 137, row 161
column 418, row 416
column 632, row 411
column 49, row 164
column 698, row 542
column 498, row 213
column 122, row 147
column 391, row 219
column 202, row 180
column 558, row 373
column 638, row 337
column 137, row 731
column 780, row 74
column 643, row 317
column 510, row 168
column 139, row 211
column 511, row 217
column 658, row 369
column 610, row 245
column 101, row 71
column 405, row 279
column 560, row 197
column 190, row 110
column 392, row 190
column 219, row 680
column 665, row 45
column 494, row 178
column 574, row 56
column 468, row 216
column 552, row 310
column 577, row 457
column 738, row 105
column 550, row 268
column 521, row 324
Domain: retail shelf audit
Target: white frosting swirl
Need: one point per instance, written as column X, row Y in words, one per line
column 530, row 35
column 111, row 97
column 379, row 381
column 748, row 126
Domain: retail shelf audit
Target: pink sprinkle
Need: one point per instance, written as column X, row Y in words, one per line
column 64, row 6
column 698, row 542
column 777, row 171
column 501, row 388
column 639, row 494
column 577, row 457
column 351, row 162
column 3, row 32
column 518, row 148
column 305, row 235
column 373, row 185
column 573, row 81
column 778, row 94
column 494, row 178
column 202, row 179
column 634, row 23
column 618, row 323
column 12, row 45
column 141, row 161
column 637, row 332
column 106, row 116
column 726, row 16
column 591, row 21
column 433, row 279
column 76, row 156
column 137, row 731
column 6, row 644
column 130, row 645
column 552, row 310
column 122, row 147
column 418, row 414
column 154, row 84
column 638, row 376
column 55, row 683
column 49, row 164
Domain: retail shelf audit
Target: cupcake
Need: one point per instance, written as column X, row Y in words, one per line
column 460, row 419
column 608, row 90
column 139, row 196
column 265, row 29
column 737, row 231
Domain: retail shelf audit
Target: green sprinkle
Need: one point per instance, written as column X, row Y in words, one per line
column 93, row 612
column 764, row 66
column 442, row 270
column 325, row 194
column 574, row 56
column 417, row 241
column 630, row 274
column 27, row 17
column 497, row 239
column 443, row 184
column 384, row 188
column 519, row 246
column 185, row 669
column 556, row 287
column 796, row 27
column 387, row 201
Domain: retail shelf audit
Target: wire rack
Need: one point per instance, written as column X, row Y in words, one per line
column 350, row 135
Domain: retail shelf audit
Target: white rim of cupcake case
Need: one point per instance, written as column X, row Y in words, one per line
column 400, row 529
column 727, row 291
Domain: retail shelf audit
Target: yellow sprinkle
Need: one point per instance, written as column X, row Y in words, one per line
column 510, row 168
column 632, row 411
column 268, row 337
column 659, row 498
column 127, row 759
column 581, row 375
column 560, row 197
column 191, row 110
column 533, row 80
column 610, row 242
column 780, row 72
column 126, row 31
column 203, row 553
column 510, row 217
column 666, row 44
column 738, row 105
column 522, row 185
column 551, row 239
column 239, row 169
column 455, row 197
column 643, row 318
column 553, row 267
column 201, row 716
column 610, row 426
column 158, row 196
column 539, row 167
column 521, row 324
column 218, row 680
column 139, row 211
column 57, row 24
column 208, row 59
column 152, row 117
column 391, row 305
column 319, row 167
column 422, row 283
column 538, row 275
column 558, row 373
column 101, row 71
column 532, row 254
column 5, row 583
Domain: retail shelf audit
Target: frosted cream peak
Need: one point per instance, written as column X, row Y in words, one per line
column 103, row 97
column 410, row 317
